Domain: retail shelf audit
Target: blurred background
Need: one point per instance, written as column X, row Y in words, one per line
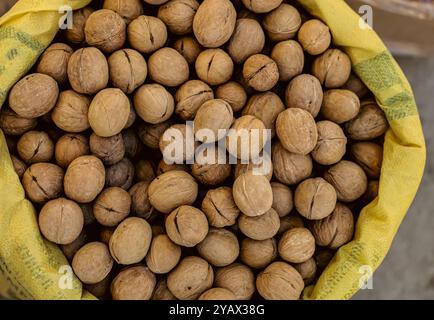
column 407, row 27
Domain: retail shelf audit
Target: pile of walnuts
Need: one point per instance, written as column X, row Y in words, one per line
column 85, row 129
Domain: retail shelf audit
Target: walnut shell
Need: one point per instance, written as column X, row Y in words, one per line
column 147, row 34
column 289, row 222
column 253, row 194
column 188, row 47
column 112, row 206
column 214, row 66
column 258, row 253
column 70, row 249
column 214, row 22
column 190, row 96
column 127, row 9
column 280, row 281
column 307, row 270
column 369, row 124
column 187, row 226
column 168, row 67
column 190, row 278
column 162, row 292
column 128, row 70
column 331, row 146
column 54, row 62
column 369, row 156
column 133, row 283
column 208, row 170
column 238, row 279
column 145, row 171
column 348, row 179
column 164, row 167
column 120, row 174
column 140, row 204
column 335, row 230
column 297, row 132
column 75, row 35
column 314, row 36
column 34, row 95
column 260, row 227
column 220, row 247
column 217, row 294
column 110, row 150
column 88, row 71
column 92, row 262
column 178, row 15
column 70, row 112
column 282, row 199
column 150, row 134
column 340, row 105
column 61, row 221
column 247, row 39
column 261, row 165
column 260, row 72
column 105, row 30
column 35, row 146
column 304, row 92
column 261, row 6
column 12, row 124
column 289, row 58
column 356, row 85
column 132, row 143
column 84, row 179
column 130, row 242
column 19, row 166
column 296, row 245
column 220, row 208
column 163, row 255
column 282, row 23
column 153, row 103
column 69, row 147
column 171, row 190
column 43, row 182
column 233, row 93
column 332, row 68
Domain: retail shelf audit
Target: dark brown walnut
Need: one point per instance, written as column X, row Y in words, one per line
column 174, row 138
column 217, row 294
column 280, row 281
column 237, row 278
column 84, row 179
column 340, row 105
column 190, row 96
column 110, row 150
column 100, row 290
column 69, row 147
column 19, row 166
column 208, row 170
column 120, row 174
column 289, row 58
column 261, row 6
column 213, row 115
column 153, row 103
column 11, row 143
column 171, row 190
column 247, row 14
column 54, row 62
column 75, row 35
column 163, row 255
column 304, row 92
column 140, row 204
column 190, row 278
column 220, row 208
column 61, row 221
column 348, row 179
column 147, row 34
column 260, row 72
column 35, row 146
column 133, row 283
column 168, row 67
column 105, row 30
column 323, row 256
column 282, row 23
column 332, row 142
column 112, row 206
column 178, row 15
column 372, row 191
column 187, row 226
column 258, row 254
column 266, row 107
column 34, row 95
column 12, row 124
column 127, row 9
column 131, row 240
column 163, row 167
column 92, row 262
column 262, row 166
column 70, row 112
column 144, row 170
column 188, row 47
column 70, row 249
column 369, row 124
column 260, row 227
column 297, row 132
column 88, row 71
column 332, row 68
column 214, row 22
column 88, row 216
column 296, row 245
column 214, row 66
column 247, row 39
column 131, row 142
column 369, row 156
column 282, row 199
column 335, row 230
column 233, row 93
column 253, row 194
column 289, row 222
column 290, row 168
column 131, row 117
column 161, row 291
column 128, row 70
column 105, row 234
column 314, row 36
column 220, row 247
column 307, row 270
column 356, row 85
column 150, row 134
